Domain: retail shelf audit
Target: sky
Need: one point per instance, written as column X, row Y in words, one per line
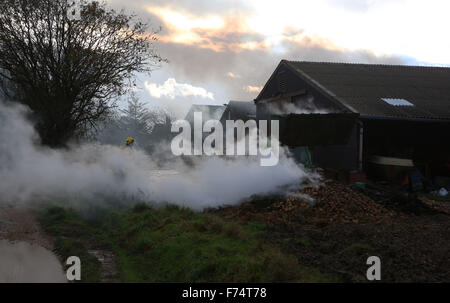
column 226, row 50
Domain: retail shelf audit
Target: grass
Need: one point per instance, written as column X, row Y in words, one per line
column 70, row 233
column 173, row 244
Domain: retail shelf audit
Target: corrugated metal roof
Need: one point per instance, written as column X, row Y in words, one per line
column 362, row 86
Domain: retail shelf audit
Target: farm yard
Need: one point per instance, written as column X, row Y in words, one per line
column 319, row 234
column 168, row 142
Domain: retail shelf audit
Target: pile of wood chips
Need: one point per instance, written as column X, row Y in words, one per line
column 336, row 202
column 329, row 203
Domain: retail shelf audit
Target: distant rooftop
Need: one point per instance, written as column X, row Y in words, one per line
column 208, row 112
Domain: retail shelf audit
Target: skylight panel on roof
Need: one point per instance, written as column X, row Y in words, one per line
column 397, row 102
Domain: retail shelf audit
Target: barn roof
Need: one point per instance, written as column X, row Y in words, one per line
column 396, row 91
column 241, row 109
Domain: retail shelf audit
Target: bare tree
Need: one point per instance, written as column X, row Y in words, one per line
column 70, row 60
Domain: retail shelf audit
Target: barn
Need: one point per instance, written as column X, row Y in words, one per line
column 383, row 120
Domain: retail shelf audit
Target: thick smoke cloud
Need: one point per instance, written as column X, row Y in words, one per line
column 96, row 173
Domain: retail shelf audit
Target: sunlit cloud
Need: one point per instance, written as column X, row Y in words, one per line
column 234, row 76
column 215, row 32
column 253, row 89
column 185, row 28
column 412, row 28
column 186, row 22
column 172, row 89
column 237, row 33
column 407, row 28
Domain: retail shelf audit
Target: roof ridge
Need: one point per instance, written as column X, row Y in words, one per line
column 368, row 64
column 220, row 105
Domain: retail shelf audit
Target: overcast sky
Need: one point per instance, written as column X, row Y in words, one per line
column 226, row 50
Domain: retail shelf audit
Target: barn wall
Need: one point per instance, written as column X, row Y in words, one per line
column 427, row 143
column 340, row 157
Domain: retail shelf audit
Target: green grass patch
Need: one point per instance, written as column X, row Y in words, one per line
column 173, row 244
column 71, row 235
column 178, row 245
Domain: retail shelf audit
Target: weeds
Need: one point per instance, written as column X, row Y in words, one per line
column 173, row 244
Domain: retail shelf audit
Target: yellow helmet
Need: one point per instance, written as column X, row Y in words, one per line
column 129, row 141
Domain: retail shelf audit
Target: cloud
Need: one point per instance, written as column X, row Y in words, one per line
column 172, row 89
column 353, row 5
column 348, row 24
column 198, row 7
column 229, row 49
column 253, row 89
column 234, row 76
column 217, row 32
column 185, row 21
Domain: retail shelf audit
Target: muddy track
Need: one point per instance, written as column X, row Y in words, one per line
column 25, row 250
column 109, row 273
column 21, row 225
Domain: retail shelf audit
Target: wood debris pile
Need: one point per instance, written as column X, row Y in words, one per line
column 329, row 203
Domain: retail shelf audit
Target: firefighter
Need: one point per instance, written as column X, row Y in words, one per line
column 129, row 142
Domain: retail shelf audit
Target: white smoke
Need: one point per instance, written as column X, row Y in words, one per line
column 303, row 105
column 30, row 172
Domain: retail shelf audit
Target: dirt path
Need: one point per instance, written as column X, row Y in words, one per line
column 109, row 273
column 25, row 251
column 24, row 244
column 18, row 224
